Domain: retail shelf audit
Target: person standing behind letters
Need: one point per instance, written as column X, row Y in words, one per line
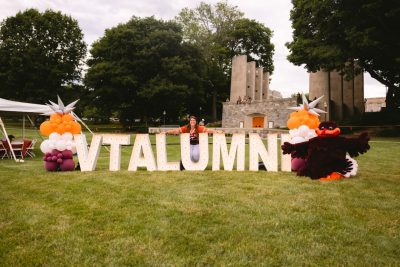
column 193, row 129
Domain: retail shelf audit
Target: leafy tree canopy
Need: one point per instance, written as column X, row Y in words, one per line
column 40, row 53
column 141, row 68
column 331, row 34
column 253, row 39
column 221, row 32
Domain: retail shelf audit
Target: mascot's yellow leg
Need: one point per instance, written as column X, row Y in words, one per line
column 332, row 176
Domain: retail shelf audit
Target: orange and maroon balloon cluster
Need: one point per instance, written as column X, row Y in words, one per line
column 60, row 123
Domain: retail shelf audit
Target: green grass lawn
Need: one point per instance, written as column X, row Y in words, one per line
column 124, row 218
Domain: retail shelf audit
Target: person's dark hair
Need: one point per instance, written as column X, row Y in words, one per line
column 196, row 127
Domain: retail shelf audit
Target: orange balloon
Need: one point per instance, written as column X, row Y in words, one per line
column 302, row 113
column 60, row 129
column 54, row 117
column 46, row 129
column 75, row 128
column 293, row 123
column 67, row 117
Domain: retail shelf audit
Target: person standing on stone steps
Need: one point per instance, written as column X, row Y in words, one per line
column 193, row 129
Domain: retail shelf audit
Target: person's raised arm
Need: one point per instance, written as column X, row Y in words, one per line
column 173, row 131
column 211, row 131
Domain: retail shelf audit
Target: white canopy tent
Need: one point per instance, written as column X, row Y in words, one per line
column 29, row 108
column 15, row 106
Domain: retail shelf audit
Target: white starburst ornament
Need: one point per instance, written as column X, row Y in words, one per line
column 60, row 108
column 310, row 107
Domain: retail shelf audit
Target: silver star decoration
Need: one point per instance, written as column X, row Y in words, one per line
column 310, row 107
column 60, row 108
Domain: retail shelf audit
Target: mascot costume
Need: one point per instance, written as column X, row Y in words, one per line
column 327, row 156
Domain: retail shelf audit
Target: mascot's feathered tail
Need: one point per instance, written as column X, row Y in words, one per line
column 353, row 167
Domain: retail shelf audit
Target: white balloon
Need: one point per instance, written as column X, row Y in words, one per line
column 297, row 139
column 293, row 133
column 61, row 145
column 51, row 145
column 54, row 136
column 303, row 130
column 67, row 136
column 73, row 149
column 70, row 143
column 44, row 146
column 311, row 134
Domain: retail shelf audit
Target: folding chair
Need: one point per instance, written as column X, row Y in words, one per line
column 30, row 148
column 3, row 151
column 18, row 150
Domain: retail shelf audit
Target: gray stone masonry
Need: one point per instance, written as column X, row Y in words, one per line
column 265, row 85
column 251, row 80
column 275, row 113
column 342, row 99
column 238, row 80
column 259, row 84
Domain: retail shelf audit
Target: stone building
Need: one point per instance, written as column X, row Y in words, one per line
column 252, row 104
column 375, row 104
column 342, row 99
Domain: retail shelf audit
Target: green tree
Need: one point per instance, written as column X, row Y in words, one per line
column 221, row 32
column 141, row 68
column 349, row 36
column 40, row 54
column 251, row 38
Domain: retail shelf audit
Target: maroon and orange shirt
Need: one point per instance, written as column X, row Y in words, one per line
column 194, row 138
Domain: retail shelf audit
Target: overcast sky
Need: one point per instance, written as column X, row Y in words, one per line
column 94, row 16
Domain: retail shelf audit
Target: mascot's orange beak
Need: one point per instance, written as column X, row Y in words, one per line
column 327, row 132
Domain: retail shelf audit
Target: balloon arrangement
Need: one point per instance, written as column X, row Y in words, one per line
column 302, row 124
column 60, row 147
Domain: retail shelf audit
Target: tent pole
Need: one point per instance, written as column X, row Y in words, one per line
column 8, row 140
column 33, row 125
column 23, row 126
column 84, row 124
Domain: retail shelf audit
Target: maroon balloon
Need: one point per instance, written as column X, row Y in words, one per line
column 55, row 152
column 297, row 163
column 67, row 154
column 50, row 166
column 67, row 165
column 59, row 161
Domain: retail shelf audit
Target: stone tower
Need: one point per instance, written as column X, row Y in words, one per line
column 260, row 107
column 342, row 99
column 247, row 80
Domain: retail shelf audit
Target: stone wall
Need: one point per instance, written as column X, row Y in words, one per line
column 343, row 98
column 275, row 111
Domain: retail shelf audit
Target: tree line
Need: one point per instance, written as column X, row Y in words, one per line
column 141, row 68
